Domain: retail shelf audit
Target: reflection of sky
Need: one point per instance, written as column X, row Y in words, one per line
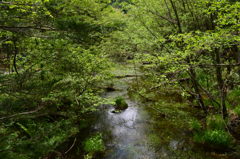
column 128, row 132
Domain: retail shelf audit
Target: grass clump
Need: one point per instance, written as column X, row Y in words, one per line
column 215, row 122
column 214, row 134
column 214, row 137
column 120, row 103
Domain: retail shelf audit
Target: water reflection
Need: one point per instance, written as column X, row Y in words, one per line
column 134, row 134
column 127, row 131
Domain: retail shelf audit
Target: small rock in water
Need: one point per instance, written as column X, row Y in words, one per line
column 110, row 88
column 116, row 111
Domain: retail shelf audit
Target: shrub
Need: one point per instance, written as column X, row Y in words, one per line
column 233, row 96
column 214, row 134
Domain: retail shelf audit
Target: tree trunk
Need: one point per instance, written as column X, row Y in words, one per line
column 197, row 91
column 15, row 57
column 169, row 12
column 198, row 95
column 177, row 17
column 221, row 85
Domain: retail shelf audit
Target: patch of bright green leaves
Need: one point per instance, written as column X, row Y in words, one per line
column 94, row 144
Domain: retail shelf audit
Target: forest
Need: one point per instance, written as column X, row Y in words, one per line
column 119, row 79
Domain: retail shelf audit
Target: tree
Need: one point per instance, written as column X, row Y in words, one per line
column 52, row 49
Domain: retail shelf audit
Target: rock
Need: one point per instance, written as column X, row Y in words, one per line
column 110, row 88
column 116, row 111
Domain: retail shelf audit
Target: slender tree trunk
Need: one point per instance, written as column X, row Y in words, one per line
column 197, row 90
column 221, row 85
column 15, row 57
column 194, row 17
column 169, row 11
column 184, row 5
column 177, row 17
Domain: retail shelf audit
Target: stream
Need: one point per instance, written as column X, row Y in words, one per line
column 127, row 131
column 140, row 132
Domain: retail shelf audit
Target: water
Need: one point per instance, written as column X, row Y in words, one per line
column 126, row 133
column 140, row 132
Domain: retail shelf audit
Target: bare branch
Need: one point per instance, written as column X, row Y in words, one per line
column 225, row 65
column 23, row 113
column 75, row 139
column 26, row 27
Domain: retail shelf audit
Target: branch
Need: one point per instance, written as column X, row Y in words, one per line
column 172, row 21
column 209, row 95
column 26, row 27
column 23, row 113
column 226, row 65
column 20, row 4
column 125, row 76
column 75, row 139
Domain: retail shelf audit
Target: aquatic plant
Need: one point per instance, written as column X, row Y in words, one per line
column 120, row 103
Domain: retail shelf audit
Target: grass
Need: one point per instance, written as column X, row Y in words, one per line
column 214, row 138
column 120, row 103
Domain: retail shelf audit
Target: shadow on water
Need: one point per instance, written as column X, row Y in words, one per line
column 139, row 132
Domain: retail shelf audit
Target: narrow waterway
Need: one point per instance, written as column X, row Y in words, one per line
column 126, row 133
column 136, row 133
column 140, row 132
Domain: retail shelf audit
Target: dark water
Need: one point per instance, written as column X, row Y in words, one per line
column 140, row 132
column 126, row 133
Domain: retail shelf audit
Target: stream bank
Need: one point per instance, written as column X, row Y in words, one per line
column 146, row 130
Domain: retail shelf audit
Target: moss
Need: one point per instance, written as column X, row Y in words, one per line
column 120, row 103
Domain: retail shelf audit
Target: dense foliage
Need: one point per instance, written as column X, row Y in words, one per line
column 49, row 49
column 55, row 55
column 189, row 46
